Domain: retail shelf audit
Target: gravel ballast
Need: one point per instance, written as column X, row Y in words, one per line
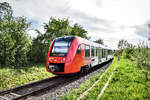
column 56, row 93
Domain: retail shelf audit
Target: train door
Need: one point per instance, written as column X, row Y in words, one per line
column 103, row 55
column 87, row 54
column 79, row 58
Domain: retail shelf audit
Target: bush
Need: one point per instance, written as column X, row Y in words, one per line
column 142, row 58
column 127, row 53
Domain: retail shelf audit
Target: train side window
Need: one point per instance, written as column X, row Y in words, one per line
column 87, row 51
column 93, row 51
column 100, row 52
column 104, row 52
column 79, row 49
column 96, row 51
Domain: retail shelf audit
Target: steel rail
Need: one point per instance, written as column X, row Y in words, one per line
column 2, row 92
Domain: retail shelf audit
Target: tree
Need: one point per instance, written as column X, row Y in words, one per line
column 125, row 48
column 100, row 41
column 77, row 30
column 142, row 58
column 6, row 45
column 53, row 29
column 128, row 51
column 5, row 10
column 122, row 44
column 14, row 40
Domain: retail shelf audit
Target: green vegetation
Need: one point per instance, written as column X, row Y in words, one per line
column 139, row 55
column 128, row 83
column 10, row 77
column 141, row 59
column 14, row 40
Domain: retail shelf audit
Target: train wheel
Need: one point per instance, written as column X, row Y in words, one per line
column 84, row 69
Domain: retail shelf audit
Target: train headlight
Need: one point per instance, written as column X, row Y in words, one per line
column 63, row 60
column 50, row 59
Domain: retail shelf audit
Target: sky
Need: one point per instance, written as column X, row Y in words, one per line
column 110, row 20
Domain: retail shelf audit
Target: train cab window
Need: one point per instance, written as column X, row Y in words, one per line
column 61, row 46
column 79, row 49
column 92, row 51
column 87, row 51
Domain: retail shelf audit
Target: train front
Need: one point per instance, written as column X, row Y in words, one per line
column 60, row 55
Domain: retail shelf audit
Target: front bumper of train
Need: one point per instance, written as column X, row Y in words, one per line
column 61, row 65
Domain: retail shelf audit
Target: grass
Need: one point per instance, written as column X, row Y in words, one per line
column 127, row 83
column 10, row 77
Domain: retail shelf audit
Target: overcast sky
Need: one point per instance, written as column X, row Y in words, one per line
column 110, row 20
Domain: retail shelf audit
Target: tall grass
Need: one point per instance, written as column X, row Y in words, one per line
column 10, row 77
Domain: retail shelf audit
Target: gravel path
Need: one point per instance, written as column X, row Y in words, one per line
column 61, row 90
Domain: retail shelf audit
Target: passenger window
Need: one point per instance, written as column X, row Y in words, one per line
column 87, row 51
column 79, row 49
column 96, row 51
column 93, row 51
column 103, row 53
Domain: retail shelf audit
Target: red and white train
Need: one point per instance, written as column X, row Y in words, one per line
column 71, row 54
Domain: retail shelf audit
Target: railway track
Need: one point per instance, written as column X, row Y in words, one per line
column 34, row 88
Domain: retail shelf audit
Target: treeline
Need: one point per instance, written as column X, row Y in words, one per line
column 139, row 55
column 18, row 49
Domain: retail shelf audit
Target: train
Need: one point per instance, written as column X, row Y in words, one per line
column 72, row 54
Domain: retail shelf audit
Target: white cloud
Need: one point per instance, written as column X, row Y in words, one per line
column 110, row 20
column 142, row 30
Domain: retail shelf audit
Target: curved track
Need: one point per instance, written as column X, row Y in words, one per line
column 31, row 88
column 34, row 88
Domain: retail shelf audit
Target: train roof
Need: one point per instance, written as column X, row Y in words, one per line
column 88, row 42
column 93, row 43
